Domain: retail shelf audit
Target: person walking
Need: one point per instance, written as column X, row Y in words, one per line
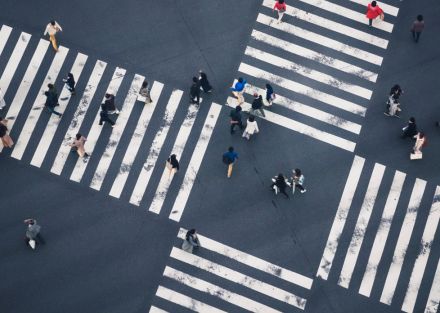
column 145, row 93
column 191, row 241
column 2, row 100
column 172, row 165
column 279, row 184
column 204, row 83
column 4, row 134
column 280, row 7
column 238, row 90
column 104, row 116
column 78, row 145
column 420, row 143
column 417, row 27
column 373, row 11
column 393, row 104
column 251, row 127
column 410, row 130
column 298, row 181
column 33, row 236
column 270, row 95
column 70, row 83
column 194, row 92
column 257, row 105
column 52, row 99
column 109, row 104
column 235, row 115
column 229, row 158
column 52, row 28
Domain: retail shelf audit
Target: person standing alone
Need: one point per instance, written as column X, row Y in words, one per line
column 229, row 158
column 52, row 99
column 172, row 165
column 70, row 83
column 373, row 11
column 417, row 27
column 194, row 92
column 52, row 28
column 280, row 7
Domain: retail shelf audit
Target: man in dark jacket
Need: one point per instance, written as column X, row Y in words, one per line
column 52, row 99
column 411, row 129
column 194, row 92
column 104, row 116
column 257, row 104
column 236, row 118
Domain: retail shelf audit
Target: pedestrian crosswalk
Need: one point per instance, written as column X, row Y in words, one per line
column 322, row 61
column 44, row 139
column 243, row 287
column 396, row 211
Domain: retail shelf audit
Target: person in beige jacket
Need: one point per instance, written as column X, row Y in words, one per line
column 52, row 28
column 78, row 145
column 420, row 142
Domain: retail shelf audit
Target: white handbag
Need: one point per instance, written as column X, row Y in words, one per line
column 416, row 156
column 32, row 243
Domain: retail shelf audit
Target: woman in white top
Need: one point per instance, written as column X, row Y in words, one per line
column 420, row 142
column 2, row 100
column 251, row 127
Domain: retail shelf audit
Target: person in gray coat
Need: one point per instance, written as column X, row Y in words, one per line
column 33, row 232
column 191, row 241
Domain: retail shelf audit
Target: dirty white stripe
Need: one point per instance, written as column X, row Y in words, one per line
column 434, row 295
column 422, row 258
column 340, row 218
column 25, row 85
column 54, row 120
column 78, row 117
column 96, row 129
column 239, row 278
column 307, row 110
column 154, row 309
column 14, row 60
column 303, row 89
column 333, row 26
column 361, row 226
column 179, row 146
column 115, row 137
column 251, row 261
column 350, row 14
column 313, row 55
column 300, row 127
column 389, row 9
column 382, row 234
column 402, row 242
column 185, row 301
column 195, row 162
column 4, row 35
column 38, row 106
column 321, row 40
column 308, row 72
column 216, row 291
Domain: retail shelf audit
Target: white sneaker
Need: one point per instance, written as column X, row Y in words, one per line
column 303, row 191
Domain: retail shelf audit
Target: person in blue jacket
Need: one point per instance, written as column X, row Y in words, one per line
column 238, row 90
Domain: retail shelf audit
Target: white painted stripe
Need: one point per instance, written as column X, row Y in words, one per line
column 239, row 278
column 95, row 131
column 307, row 110
column 216, row 291
column 4, row 36
column 303, row 89
column 308, row 72
column 185, row 301
column 115, row 137
column 179, row 146
column 78, row 117
column 389, row 9
column 340, row 218
column 402, row 242
column 350, row 14
column 313, row 55
column 361, row 226
column 54, row 120
column 333, row 26
column 321, row 40
column 434, row 295
column 14, row 60
column 422, row 259
column 195, row 162
column 38, row 106
column 252, row 261
column 154, row 309
column 26, row 82
column 300, row 127
column 382, row 234
column 136, row 140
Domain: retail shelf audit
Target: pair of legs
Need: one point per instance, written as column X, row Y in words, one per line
column 416, row 35
column 282, row 190
column 280, row 16
column 230, row 167
column 240, row 124
column 53, row 40
column 52, row 111
column 252, row 111
column 194, row 99
column 239, row 96
column 106, row 119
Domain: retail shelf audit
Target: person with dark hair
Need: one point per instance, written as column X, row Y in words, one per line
column 235, row 116
column 420, row 142
column 373, row 11
column 298, row 181
column 238, row 90
column 270, row 95
column 229, row 158
column 4, row 134
column 33, row 235
column 104, row 116
column 70, row 83
column 52, row 99
column 145, row 93
column 172, row 165
column 191, row 241
column 52, row 28
column 280, row 7
column 393, row 103
column 417, row 27
column 78, row 145
column 251, row 127
column 194, row 92
column 410, row 130
column 257, row 105
column 204, row 83
column 279, row 184
column 109, row 104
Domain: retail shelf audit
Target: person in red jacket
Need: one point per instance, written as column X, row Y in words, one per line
column 373, row 11
column 280, row 7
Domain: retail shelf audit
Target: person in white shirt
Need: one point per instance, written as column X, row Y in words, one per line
column 52, row 28
column 2, row 100
column 251, row 127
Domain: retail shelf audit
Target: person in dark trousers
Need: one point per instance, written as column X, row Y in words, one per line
column 52, row 100
column 33, row 235
column 204, row 83
column 298, row 180
column 410, row 130
column 417, row 27
column 280, row 184
column 270, row 95
column 172, row 165
column 257, row 105
column 104, row 116
column 236, row 118
column 191, row 241
column 229, row 158
column 70, row 83
column 194, row 92
column 110, row 105
column 393, row 100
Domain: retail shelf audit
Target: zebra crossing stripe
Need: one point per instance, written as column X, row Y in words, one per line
column 300, row 127
column 185, row 301
column 154, row 309
column 331, row 25
column 38, row 106
column 216, row 291
column 179, row 146
column 361, row 226
column 239, row 278
column 389, row 9
column 54, row 120
column 402, row 242
column 195, row 162
column 321, row 40
column 314, row 56
column 25, row 85
column 5, row 32
column 14, row 60
column 303, row 89
column 422, row 259
column 434, row 295
column 251, row 261
column 350, row 14
column 112, row 145
column 78, row 117
column 382, row 234
column 308, row 111
column 96, row 129
column 340, row 218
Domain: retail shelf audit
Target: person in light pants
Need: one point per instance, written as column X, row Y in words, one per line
column 280, row 7
column 2, row 100
column 229, row 158
column 52, row 28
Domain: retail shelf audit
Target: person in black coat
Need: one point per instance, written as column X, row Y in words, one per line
column 109, row 104
column 70, row 83
column 204, row 83
column 52, row 99
column 257, row 105
column 281, row 183
column 235, row 115
column 194, row 92
column 104, row 116
column 411, row 129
